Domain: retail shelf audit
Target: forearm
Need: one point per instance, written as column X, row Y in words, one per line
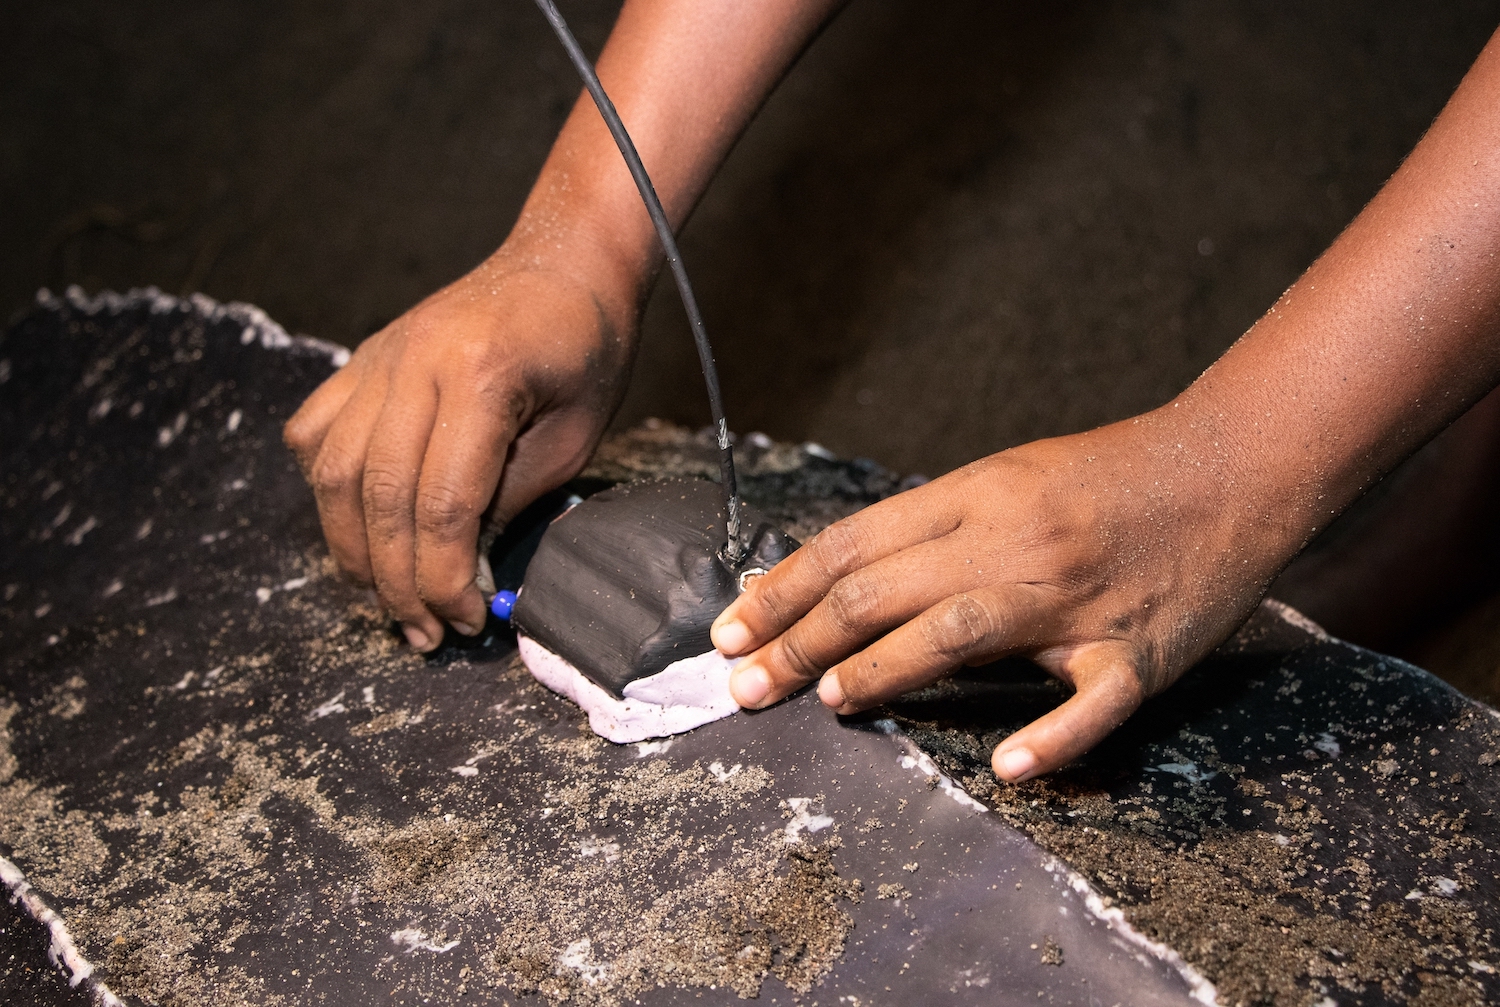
column 686, row 77
column 1388, row 338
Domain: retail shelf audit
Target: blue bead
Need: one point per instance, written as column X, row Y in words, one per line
column 504, row 602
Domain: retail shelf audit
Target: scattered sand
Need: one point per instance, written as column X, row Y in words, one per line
column 1239, row 865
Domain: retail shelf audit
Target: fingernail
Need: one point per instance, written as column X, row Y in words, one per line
column 830, row 692
column 750, row 686
column 1016, row 764
column 416, row 637
column 731, row 638
column 464, row 628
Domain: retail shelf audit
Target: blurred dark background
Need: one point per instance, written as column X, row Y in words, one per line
column 954, row 228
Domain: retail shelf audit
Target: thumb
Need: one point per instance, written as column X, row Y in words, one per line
column 1108, row 691
column 549, row 452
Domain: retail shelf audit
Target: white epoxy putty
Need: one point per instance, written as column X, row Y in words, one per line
column 684, row 695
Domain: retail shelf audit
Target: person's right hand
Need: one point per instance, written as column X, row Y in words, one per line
column 487, row 394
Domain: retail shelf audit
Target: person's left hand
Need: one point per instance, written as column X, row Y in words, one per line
column 1109, row 558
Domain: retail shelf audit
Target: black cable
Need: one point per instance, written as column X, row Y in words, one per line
column 733, row 552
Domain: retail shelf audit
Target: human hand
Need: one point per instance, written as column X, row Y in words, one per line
column 1109, row 558
column 1117, row 558
column 497, row 388
column 478, row 400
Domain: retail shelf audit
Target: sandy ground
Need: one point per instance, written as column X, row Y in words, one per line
column 954, row 228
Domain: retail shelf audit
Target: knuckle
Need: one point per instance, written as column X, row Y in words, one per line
column 421, row 324
column 796, row 657
column 387, row 495
column 512, row 395
column 836, row 549
column 300, row 434
column 854, row 603
column 334, row 473
column 444, row 510
column 960, row 624
column 476, row 357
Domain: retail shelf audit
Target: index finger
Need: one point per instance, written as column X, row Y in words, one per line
column 309, row 425
column 772, row 603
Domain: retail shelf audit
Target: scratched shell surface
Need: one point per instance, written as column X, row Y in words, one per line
column 223, row 780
